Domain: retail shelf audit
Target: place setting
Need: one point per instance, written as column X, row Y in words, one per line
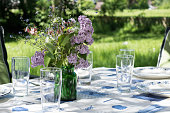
column 155, row 80
column 4, row 91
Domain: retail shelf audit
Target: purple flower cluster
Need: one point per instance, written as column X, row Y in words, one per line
column 81, row 42
column 85, row 32
column 82, row 49
column 72, row 58
column 37, row 59
column 82, row 64
column 61, row 29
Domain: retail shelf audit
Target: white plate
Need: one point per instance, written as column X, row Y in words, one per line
column 4, row 90
column 152, row 73
column 155, row 86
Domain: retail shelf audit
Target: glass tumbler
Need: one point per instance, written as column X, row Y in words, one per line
column 51, row 82
column 128, row 52
column 124, row 71
column 84, row 74
column 20, row 75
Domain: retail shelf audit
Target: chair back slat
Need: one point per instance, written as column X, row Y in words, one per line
column 164, row 55
column 5, row 76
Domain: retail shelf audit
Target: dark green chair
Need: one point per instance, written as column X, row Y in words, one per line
column 164, row 55
column 5, row 75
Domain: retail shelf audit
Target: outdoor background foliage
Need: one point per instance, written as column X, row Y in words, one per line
column 134, row 24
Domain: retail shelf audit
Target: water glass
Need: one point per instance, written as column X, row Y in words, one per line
column 51, row 81
column 124, row 70
column 84, row 74
column 20, row 75
column 128, row 52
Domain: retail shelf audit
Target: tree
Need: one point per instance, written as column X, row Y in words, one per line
column 110, row 6
column 66, row 8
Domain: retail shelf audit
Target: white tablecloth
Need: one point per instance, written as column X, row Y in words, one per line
column 99, row 97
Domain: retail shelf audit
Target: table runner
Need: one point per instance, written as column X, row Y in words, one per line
column 99, row 97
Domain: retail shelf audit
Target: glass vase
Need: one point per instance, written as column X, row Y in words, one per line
column 69, row 84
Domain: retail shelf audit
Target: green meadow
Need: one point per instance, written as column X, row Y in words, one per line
column 107, row 44
column 105, row 48
column 133, row 13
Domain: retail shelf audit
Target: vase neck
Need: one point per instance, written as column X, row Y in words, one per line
column 68, row 69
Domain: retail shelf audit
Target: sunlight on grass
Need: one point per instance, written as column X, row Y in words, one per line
column 19, row 48
column 146, row 54
column 134, row 12
column 105, row 49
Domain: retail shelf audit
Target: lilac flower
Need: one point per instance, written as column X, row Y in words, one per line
column 72, row 58
column 77, row 39
column 72, row 20
column 37, row 59
column 82, row 49
column 81, row 18
column 73, row 40
column 50, row 15
column 82, row 34
column 20, row 32
column 27, row 20
column 82, row 64
column 89, row 40
column 85, row 23
column 27, row 37
column 86, row 29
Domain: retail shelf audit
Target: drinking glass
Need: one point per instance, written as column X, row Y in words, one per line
column 84, row 74
column 124, row 70
column 128, row 52
column 20, row 75
column 51, row 81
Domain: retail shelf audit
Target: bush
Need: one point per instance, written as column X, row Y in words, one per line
column 110, row 6
column 165, row 4
column 130, row 24
column 86, row 4
column 138, row 4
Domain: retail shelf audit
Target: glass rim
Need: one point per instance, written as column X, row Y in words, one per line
column 124, row 56
column 90, row 52
column 46, row 69
column 20, row 57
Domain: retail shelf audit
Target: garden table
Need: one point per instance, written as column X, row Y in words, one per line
column 100, row 97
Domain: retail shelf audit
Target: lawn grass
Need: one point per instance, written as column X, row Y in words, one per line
column 19, row 48
column 146, row 45
column 105, row 48
column 133, row 13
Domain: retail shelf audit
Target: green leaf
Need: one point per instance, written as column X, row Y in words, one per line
column 66, row 39
column 50, row 55
column 84, row 56
column 50, row 47
column 46, row 60
column 60, row 38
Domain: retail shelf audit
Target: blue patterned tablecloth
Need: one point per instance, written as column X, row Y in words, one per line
column 99, row 97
